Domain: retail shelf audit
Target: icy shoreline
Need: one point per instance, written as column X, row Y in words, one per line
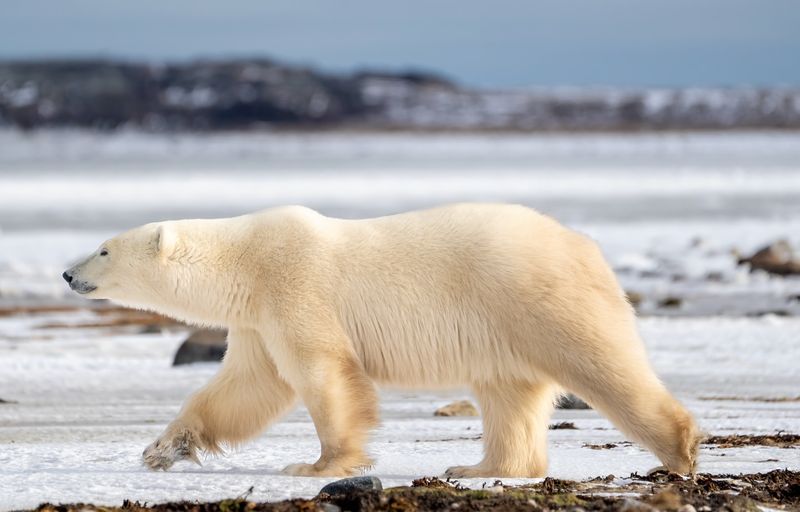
column 668, row 210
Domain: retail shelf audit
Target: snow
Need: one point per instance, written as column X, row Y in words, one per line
column 667, row 209
column 79, row 148
column 90, row 401
column 643, row 197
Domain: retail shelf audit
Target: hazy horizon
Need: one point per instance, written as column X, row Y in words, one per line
column 510, row 43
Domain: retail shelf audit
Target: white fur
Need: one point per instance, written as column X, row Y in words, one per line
column 498, row 298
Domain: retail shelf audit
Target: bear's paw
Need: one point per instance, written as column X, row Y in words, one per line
column 172, row 446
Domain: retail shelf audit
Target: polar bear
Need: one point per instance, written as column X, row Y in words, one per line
column 497, row 298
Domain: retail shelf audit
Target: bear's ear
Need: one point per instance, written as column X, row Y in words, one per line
column 165, row 241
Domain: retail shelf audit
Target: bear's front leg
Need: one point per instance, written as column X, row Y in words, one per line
column 238, row 404
column 338, row 394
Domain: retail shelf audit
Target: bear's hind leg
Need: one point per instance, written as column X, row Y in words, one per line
column 236, row 405
column 515, row 420
column 624, row 388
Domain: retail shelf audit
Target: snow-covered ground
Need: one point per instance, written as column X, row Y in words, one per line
column 668, row 210
column 71, row 179
column 90, row 400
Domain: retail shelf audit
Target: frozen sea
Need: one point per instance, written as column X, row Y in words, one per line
column 671, row 212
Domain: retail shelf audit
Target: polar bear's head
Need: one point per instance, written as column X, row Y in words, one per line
column 183, row 268
column 133, row 268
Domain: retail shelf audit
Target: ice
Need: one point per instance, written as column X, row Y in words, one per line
column 668, row 210
column 73, row 148
column 90, row 401
column 643, row 197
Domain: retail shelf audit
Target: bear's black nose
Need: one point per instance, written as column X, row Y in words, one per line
column 67, row 277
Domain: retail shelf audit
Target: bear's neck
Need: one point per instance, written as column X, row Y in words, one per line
column 208, row 285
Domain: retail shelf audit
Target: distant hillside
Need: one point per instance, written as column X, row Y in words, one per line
column 241, row 94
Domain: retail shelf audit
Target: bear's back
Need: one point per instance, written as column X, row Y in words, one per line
column 429, row 295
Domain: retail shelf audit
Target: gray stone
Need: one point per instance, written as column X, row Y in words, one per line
column 202, row 346
column 348, row 485
column 570, row 401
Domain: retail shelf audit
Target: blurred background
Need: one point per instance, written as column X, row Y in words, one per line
column 667, row 131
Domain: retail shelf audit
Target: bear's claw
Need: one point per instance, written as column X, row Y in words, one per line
column 465, row 472
column 170, row 448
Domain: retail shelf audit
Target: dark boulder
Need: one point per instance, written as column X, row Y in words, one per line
column 202, row 346
column 670, row 302
column 350, row 485
column 777, row 258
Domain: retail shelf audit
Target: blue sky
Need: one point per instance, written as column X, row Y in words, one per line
column 497, row 43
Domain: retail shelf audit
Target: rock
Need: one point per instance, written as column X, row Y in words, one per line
column 634, row 298
column 202, row 346
column 670, row 302
column 768, row 312
column 348, row 485
column 460, row 408
column 8, row 401
column 563, row 425
column 777, row 258
column 329, row 507
column 570, row 401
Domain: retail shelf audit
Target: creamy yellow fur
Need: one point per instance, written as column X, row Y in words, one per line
column 498, row 298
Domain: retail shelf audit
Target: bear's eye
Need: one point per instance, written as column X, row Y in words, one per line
column 104, row 252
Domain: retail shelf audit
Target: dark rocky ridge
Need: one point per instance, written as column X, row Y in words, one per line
column 242, row 94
